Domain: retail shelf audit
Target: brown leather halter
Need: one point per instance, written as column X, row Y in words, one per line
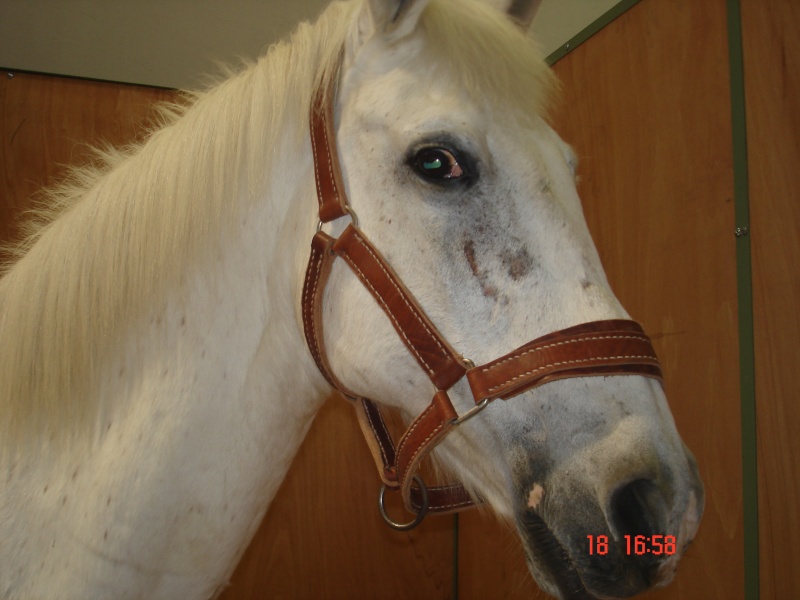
column 612, row 347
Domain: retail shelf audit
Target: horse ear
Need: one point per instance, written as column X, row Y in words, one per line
column 392, row 19
column 522, row 11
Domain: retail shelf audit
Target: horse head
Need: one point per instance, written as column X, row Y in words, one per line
column 470, row 196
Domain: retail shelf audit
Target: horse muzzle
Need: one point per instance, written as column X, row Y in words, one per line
column 582, row 545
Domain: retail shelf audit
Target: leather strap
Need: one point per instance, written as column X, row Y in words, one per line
column 327, row 170
column 397, row 467
column 614, row 347
column 422, row 436
column 317, row 273
column 434, row 354
column 379, row 440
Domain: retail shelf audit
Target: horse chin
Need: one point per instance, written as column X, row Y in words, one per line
column 566, row 571
column 549, row 561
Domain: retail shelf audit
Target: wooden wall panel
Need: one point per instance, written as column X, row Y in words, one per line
column 646, row 106
column 47, row 123
column 772, row 89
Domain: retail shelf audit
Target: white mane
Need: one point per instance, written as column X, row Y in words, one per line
column 114, row 237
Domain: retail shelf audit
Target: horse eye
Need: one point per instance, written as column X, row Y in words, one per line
column 437, row 164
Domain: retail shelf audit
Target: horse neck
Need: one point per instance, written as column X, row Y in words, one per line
column 224, row 354
column 206, row 398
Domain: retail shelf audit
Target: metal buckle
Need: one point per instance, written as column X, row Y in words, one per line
column 349, row 211
column 456, row 421
column 419, row 516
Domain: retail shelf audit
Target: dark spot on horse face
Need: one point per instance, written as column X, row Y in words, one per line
column 489, row 291
column 469, row 252
column 518, row 263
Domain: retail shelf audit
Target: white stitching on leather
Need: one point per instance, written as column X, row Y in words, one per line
column 402, row 295
column 569, row 362
column 408, row 434
column 583, row 338
column 308, row 306
column 330, row 164
column 390, row 314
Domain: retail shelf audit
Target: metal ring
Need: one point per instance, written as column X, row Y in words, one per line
column 353, row 215
column 419, row 516
column 349, row 211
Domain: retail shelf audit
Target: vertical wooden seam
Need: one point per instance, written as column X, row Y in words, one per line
column 745, row 301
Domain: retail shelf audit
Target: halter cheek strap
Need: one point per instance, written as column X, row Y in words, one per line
column 611, row 347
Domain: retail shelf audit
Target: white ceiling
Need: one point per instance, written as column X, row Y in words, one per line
column 173, row 43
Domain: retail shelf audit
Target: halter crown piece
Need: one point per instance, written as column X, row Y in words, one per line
column 611, row 347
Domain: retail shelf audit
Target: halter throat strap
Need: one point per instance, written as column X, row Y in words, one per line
column 610, row 347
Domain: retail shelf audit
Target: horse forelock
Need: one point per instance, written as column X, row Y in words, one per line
column 488, row 55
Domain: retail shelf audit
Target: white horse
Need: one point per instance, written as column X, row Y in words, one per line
column 155, row 382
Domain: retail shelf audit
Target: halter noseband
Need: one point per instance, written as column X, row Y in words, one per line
column 610, row 347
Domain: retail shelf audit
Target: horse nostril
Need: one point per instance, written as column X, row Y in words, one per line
column 638, row 508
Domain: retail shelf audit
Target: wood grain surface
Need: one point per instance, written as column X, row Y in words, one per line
column 772, row 90
column 48, row 123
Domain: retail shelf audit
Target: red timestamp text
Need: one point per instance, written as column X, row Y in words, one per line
column 639, row 545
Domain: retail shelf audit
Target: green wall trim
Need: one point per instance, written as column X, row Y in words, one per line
column 743, row 231
column 590, row 30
